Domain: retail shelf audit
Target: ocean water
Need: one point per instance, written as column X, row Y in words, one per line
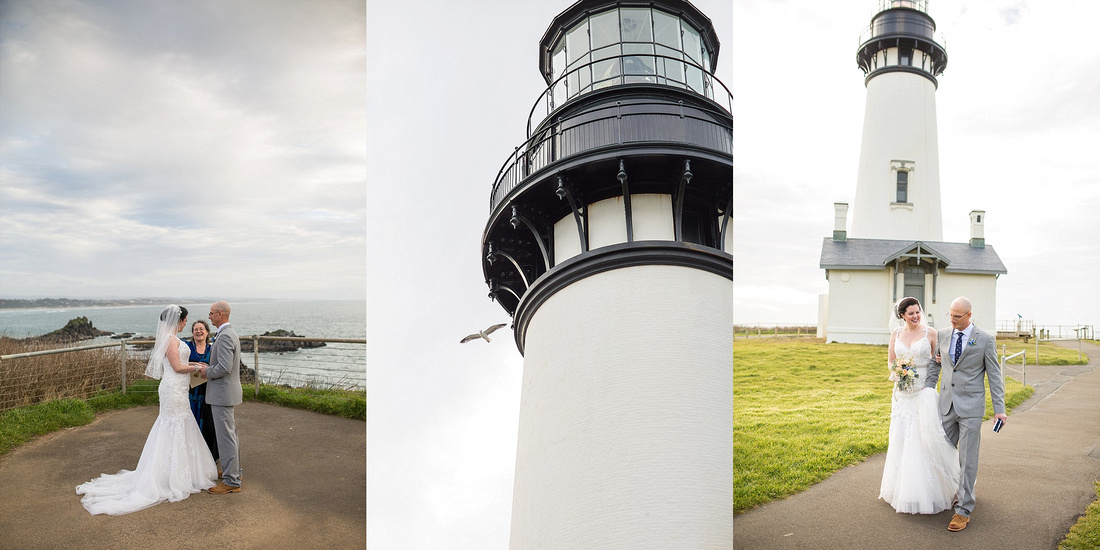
column 342, row 364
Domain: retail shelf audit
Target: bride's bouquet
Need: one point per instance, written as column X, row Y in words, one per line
column 903, row 372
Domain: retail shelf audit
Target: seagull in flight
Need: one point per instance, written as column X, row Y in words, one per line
column 483, row 333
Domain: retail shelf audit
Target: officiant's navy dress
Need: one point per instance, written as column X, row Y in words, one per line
column 199, row 407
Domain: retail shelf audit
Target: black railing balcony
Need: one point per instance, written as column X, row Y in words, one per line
column 920, row 5
column 610, row 125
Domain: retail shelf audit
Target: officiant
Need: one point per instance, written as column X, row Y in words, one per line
column 200, row 353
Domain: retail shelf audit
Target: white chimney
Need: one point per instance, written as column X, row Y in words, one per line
column 840, row 223
column 977, row 228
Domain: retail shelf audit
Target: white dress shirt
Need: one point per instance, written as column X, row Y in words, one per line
column 955, row 336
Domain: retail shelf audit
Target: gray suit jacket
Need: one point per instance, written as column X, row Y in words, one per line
column 224, row 372
column 963, row 384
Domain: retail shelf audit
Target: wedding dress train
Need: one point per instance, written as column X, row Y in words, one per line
column 174, row 463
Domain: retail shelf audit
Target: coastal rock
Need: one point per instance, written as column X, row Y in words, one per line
column 279, row 346
column 75, row 330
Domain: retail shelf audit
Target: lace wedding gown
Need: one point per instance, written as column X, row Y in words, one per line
column 921, row 473
column 174, row 463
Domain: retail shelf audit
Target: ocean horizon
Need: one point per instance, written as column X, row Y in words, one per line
column 342, row 363
column 314, row 318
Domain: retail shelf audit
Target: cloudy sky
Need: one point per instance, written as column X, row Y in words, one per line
column 450, row 85
column 182, row 148
column 1019, row 131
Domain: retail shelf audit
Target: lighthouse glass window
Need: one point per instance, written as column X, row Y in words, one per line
column 606, row 49
column 637, row 36
column 629, row 45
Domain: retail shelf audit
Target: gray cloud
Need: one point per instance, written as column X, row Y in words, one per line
column 195, row 134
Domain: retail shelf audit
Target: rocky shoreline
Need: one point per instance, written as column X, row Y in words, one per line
column 75, row 330
column 80, row 329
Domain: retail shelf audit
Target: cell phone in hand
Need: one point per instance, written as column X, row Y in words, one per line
column 997, row 425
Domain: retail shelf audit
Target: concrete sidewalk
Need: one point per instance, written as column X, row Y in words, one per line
column 305, row 487
column 1035, row 478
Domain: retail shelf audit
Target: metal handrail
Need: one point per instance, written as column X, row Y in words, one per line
column 1004, row 364
column 60, row 350
column 921, row 5
column 546, row 98
column 137, row 341
column 124, row 342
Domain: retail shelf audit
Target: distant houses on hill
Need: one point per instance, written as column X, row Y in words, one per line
column 10, row 303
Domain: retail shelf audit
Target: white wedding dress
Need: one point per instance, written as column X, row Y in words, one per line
column 174, row 463
column 921, row 473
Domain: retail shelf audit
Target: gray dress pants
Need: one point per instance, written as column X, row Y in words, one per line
column 228, row 456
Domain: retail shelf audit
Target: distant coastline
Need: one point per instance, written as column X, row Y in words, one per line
column 119, row 315
column 10, row 303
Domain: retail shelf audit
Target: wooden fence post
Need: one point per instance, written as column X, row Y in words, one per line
column 122, row 346
column 256, row 363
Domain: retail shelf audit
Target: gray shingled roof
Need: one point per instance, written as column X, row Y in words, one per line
column 876, row 253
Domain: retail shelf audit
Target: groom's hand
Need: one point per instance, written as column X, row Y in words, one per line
column 1002, row 417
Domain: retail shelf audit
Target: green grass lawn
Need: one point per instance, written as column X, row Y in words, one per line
column 803, row 409
column 17, row 426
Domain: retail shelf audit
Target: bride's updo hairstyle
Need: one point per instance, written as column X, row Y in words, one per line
column 899, row 312
column 168, row 311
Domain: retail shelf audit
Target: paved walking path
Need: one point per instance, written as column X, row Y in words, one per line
column 304, row 487
column 1035, row 478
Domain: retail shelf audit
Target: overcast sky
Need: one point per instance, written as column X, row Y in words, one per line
column 199, row 148
column 450, row 86
column 1019, row 132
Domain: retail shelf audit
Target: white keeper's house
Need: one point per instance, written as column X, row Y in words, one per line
column 896, row 248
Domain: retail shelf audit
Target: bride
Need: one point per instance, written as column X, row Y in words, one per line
column 922, row 469
column 175, row 461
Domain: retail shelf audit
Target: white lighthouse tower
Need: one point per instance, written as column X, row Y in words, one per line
column 608, row 242
column 895, row 248
column 898, row 184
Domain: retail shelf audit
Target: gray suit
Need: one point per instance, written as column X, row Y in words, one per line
column 223, row 392
column 962, row 401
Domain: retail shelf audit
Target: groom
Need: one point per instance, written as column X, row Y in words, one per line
column 966, row 354
column 223, row 391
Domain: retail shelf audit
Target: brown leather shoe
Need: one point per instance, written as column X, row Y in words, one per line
column 958, row 523
column 221, row 489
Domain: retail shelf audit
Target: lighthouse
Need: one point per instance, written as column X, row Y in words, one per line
column 608, row 243
column 895, row 247
column 898, row 183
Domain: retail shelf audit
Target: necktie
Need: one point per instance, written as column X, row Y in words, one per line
column 958, row 347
